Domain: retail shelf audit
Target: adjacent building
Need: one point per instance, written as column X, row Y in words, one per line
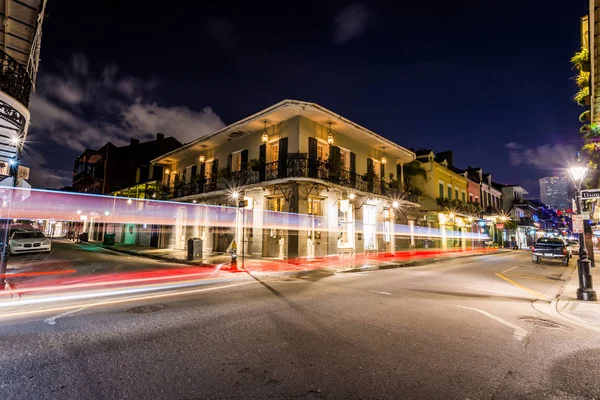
column 112, row 168
column 554, row 192
column 292, row 159
column 20, row 44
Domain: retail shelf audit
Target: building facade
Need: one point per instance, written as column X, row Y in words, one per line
column 112, row 168
column 292, row 159
column 554, row 192
column 20, row 43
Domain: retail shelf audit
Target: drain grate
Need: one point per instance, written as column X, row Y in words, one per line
column 145, row 309
column 542, row 323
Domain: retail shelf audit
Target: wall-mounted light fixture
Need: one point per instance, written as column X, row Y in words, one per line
column 383, row 157
column 167, row 171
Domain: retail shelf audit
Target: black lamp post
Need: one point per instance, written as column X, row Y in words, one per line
column 585, row 292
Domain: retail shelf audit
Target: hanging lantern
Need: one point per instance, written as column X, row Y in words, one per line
column 330, row 135
column 265, row 134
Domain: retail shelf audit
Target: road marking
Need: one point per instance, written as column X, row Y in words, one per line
column 537, row 294
column 532, row 277
column 519, row 332
column 510, row 269
column 490, row 290
column 52, row 320
column 386, row 293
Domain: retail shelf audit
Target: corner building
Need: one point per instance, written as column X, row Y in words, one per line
column 294, row 159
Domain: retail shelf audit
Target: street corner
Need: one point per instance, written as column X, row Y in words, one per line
column 585, row 313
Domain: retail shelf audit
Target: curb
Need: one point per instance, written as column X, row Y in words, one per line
column 414, row 263
column 154, row 257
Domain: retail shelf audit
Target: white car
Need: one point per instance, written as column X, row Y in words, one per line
column 28, row 242
column 574, row 245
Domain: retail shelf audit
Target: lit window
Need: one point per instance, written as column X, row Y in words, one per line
column 273, row 152
column 208, row 169
column 320, row 154
column 236, row 161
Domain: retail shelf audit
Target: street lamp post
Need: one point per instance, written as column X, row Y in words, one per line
column 585, row 291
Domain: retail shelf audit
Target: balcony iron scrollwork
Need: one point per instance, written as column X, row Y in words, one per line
column 14, row 79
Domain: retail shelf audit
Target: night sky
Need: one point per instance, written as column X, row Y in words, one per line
column 490, row 80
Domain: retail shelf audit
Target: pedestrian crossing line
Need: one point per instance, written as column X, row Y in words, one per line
column 540, row 296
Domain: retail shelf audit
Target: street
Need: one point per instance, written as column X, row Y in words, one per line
column 449, row 330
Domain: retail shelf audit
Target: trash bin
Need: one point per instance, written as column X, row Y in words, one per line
column 194, row 249
column 83, row 237
column 109, row 239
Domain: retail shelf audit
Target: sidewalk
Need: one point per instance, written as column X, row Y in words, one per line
column 334, row 263
column 179, row 256
column 586, row 312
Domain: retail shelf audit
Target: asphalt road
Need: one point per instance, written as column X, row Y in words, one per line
column 68, row 259
column 451, row 330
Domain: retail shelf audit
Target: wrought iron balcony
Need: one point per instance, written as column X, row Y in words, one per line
column 14, row 79
column 296, row 167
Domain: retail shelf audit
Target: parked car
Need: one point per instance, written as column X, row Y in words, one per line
column 28, row 241
column 574, row 245
column 552, row 248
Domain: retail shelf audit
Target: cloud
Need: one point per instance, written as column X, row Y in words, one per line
column 223, row 32
column 513, row 146
column 544, row 157
column 82, row 108
column 350, row 22
column 42, row 176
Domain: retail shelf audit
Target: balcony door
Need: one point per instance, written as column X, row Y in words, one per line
column 316, row 242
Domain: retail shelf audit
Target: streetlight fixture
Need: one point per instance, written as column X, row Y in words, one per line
column 395, row 204
column 586, row 291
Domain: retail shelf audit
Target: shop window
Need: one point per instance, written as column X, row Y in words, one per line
column 275, row 204
column 315, row 210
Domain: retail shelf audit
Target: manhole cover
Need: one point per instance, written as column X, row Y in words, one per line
column 542, row 323
column 145, row 309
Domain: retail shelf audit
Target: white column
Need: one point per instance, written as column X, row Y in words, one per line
column 402, row 174
column 443, row 233
column 411, row 225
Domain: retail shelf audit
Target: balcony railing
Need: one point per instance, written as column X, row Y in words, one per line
column 14, row 79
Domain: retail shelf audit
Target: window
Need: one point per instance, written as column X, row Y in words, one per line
column 345, row 224
column 273, row 154
column 441, row 189
column 275, row 203
column 377, row 168
column 456, row 194
column 464, row 197
column 188, row 174
column 345, row 158
column 236, row 161
column 470, row 198
column 208, row 165
column 449, row 192
column 320, row 152
column 369, row 226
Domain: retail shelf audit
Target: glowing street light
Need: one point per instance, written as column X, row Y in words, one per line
column 351, row 196
column 395, row 204
column 235, row 195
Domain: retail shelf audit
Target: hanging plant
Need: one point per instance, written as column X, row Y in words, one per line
column 583, row 96
column 583, row 79
column 584, row 117
column 581, row 60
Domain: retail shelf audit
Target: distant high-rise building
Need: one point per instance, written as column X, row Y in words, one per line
column 554, row 192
